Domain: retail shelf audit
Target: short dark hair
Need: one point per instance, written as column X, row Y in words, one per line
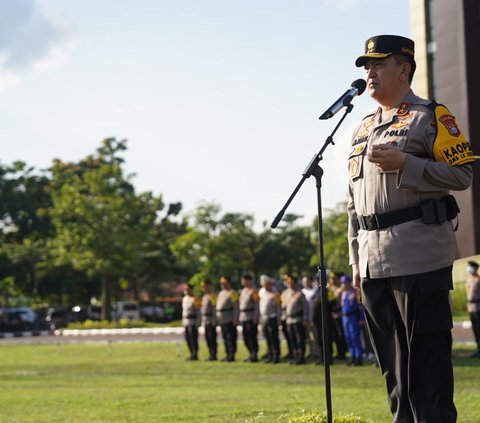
column 401, row 59
column 247, row 276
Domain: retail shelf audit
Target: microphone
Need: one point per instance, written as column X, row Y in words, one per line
column 357, row 88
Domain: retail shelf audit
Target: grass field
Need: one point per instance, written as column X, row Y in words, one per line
column 151, row 382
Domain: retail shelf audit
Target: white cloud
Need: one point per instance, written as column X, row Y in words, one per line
column 30, row 39
column 7, row 79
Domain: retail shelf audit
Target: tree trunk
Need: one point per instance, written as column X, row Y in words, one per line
column 106, row 299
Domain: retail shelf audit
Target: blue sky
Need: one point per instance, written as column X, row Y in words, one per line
column 219, row 100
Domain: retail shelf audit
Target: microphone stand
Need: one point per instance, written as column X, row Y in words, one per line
column 314, row 169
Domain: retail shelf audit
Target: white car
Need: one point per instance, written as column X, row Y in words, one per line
column 126, row 310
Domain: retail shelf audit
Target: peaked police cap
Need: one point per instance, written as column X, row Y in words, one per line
column 382, row 46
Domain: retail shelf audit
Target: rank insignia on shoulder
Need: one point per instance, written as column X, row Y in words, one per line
column 403, row 109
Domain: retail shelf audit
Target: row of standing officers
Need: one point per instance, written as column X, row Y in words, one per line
column 297, row 313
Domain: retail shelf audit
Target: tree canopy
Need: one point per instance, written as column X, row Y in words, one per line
column 80, row 229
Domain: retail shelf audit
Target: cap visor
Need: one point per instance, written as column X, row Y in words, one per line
column 364, row 57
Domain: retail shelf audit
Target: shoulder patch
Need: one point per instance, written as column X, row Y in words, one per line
column 234, row 296
column 450, row 145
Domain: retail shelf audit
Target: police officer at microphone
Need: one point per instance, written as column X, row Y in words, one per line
column 404, row 159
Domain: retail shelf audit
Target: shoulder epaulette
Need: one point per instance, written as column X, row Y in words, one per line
column 432, row 104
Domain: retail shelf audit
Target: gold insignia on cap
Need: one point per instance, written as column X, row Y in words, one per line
column 370, row 46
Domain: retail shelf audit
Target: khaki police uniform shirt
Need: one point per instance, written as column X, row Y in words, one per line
column 297, row 308
column 208, row 309
column 285, row 297
column 438, row 160
column 227, row 307
column 248, row 305
column 270, row 306
column 190, row 311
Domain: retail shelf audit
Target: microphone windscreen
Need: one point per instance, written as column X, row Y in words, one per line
column 360, row 85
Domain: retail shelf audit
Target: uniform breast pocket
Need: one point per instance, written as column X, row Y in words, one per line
column 355, row 160
column 399, row 143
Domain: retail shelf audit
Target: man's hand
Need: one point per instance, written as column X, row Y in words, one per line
column 386, row 157
column 356, row 276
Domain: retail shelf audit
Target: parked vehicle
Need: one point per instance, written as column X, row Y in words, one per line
column 151, row 312
column 94, row 312
column 59, row 317
column 14, row 319
column 126, row 310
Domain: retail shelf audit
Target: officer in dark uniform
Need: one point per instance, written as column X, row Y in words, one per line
column 404, row 159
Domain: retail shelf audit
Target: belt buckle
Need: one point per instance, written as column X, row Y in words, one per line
column 362, row 222
column 371, row 222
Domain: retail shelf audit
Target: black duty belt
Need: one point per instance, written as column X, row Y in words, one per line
column 226, row 309
column 246, row 310
column 430, row 211
column 191, row 316
column 207, row 314
column 474, row 301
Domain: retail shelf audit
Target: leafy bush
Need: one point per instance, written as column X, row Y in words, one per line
column 459, row 297
column 104, row 324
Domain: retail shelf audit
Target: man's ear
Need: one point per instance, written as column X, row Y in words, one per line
column 405, row 73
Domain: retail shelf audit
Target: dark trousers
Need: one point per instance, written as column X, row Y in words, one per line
column 338, row 337
column 318, row 328
column 250, row 333
column 191, row 336
column 296, row 332
column 409, row 320
column 475, row 319
column 270, row 331
column 229, row 335
column 211, row 338
column 287, row 338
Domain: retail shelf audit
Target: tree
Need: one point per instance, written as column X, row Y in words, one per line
column 102, row 227
column 295, row 247
column 215, row 245
column 24, row 224
column 335, row 232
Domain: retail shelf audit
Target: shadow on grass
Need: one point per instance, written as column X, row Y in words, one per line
column 461, row 358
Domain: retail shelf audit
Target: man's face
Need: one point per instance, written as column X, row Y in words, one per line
column 246, row 282
column 385, row 79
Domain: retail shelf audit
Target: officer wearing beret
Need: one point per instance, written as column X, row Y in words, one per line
column 404, row 159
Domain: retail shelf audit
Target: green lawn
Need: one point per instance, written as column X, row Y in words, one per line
column 151, row 382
